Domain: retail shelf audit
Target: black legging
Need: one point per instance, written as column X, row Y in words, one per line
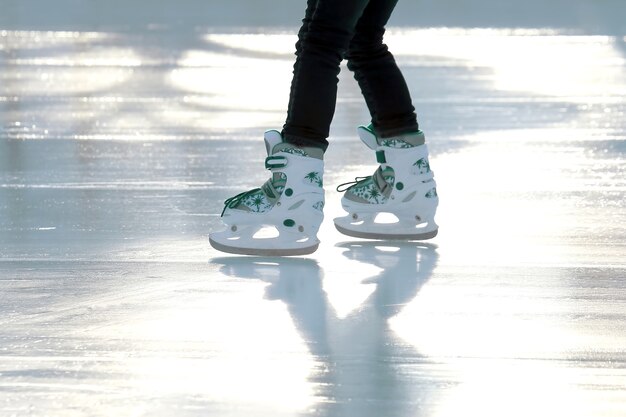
column 332, row 30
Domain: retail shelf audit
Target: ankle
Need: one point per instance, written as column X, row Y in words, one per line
column 306, row 143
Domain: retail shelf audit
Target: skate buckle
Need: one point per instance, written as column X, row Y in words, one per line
column 277, row 161
column 380, row 157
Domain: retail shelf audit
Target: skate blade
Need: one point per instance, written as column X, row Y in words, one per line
column 255, row 251
column 387, row 236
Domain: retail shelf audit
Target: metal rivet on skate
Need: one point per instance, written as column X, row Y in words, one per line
column 233, row 228
column 355, row 216
column 418, row 218
column 301, row 229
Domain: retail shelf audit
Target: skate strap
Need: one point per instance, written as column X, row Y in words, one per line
column 275, row 161
column 380, row 157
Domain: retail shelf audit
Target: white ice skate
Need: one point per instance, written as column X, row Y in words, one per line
column 400, row 200
column 289, row 204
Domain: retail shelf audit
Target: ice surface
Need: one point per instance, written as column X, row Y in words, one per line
column 125, row 125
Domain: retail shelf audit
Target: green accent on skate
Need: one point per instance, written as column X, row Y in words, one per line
column 259, row 200
column 314, row 178
column 273, row 162
column 373, row 190
column 432, row 193
column 289, row 223
column 288, row 192
column 290, row 148
column 295, row 151
column 399, row 186
column 233, row 202
column 423, row 165
column 404, row 140
column 367, row 191
column 395, row 143
column 380, row 157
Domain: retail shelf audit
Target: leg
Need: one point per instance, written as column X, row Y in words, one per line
column 291, row 202
column 382, row 84
column 324, row 38
column 403, row 185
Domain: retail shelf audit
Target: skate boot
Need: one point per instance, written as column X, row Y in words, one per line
column 289, row 203
column 400, row 200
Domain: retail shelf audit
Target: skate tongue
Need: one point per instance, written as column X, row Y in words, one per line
column 272, row 138
column 367, row 135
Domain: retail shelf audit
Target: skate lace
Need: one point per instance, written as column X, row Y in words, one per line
column 235, row 200
column 351, row 184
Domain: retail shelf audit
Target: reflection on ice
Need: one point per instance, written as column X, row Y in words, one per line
column 240, row 81
column 235, row 373
column 533, row 61
column 492, row 386
column 12, row 40
column 234, row 82
column 266, row 43
column 537, row 62
column 353, row 352
column 52, row 82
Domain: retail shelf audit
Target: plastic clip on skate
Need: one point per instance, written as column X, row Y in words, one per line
column 399, row 200
column 289, row 206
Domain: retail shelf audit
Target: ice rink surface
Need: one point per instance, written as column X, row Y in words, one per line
column 122, row 133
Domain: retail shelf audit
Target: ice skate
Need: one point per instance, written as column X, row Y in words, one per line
column 283, row 216
column 399, row 200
